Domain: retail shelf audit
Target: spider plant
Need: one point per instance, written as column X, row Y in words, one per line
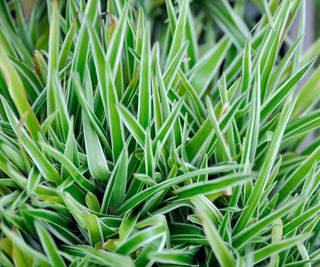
column 156, row 133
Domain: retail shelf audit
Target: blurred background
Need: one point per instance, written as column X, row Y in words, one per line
column 316, row 16
column 312, row 31
column 312, row 28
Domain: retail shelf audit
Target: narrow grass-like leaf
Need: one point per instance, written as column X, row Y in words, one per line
column 252, row 133
column 217, row 244
column 53, row 57
column 67, row 44
column 295, row 178
column 179, row 31
column 308, row 93
column 278, row 96
column 34, row 255
column 144, row 85
column 210, row 187
column 248, row 233
column 116, row 188
column 93, row 228
column 140, row 238
column 17, row 92
column 116, row 43
column 206, row 68
column 132, row 124
column 49, row 246
column 101, row 256
column 97, row 163
column 145, row 194
column 74, row 172
column 267, row 251
column 261, row 181
column 176, row 257
column 44, row 166
column 230, row 22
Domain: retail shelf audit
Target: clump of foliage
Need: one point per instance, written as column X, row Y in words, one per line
column 157, row 133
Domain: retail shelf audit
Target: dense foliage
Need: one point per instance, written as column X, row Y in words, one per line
column 158, row 133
